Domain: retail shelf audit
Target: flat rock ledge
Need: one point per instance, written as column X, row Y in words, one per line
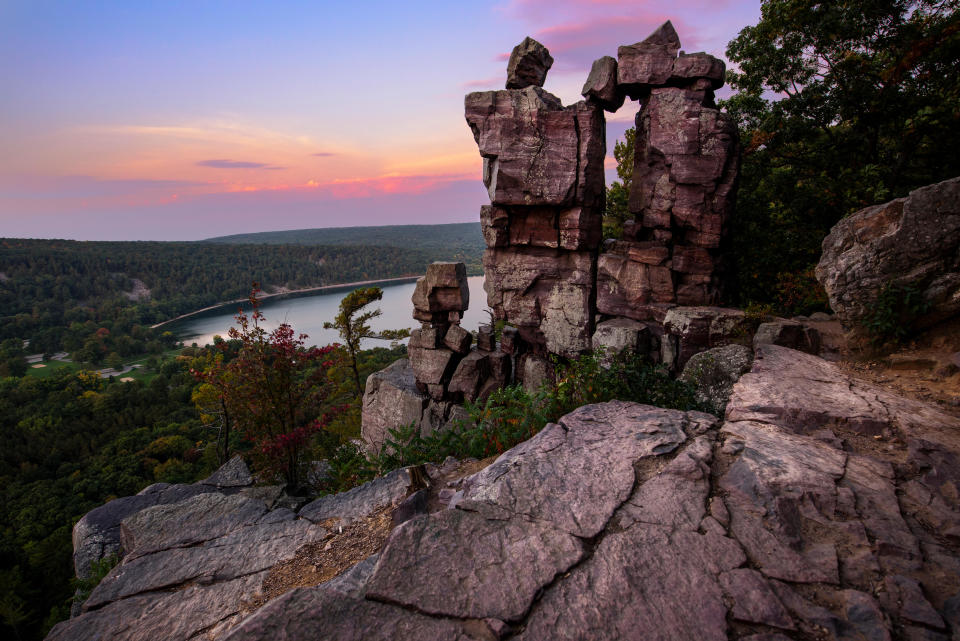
column 821, row 508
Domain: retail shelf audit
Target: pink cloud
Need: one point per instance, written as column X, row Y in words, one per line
column 485, row 83
column 577, row 32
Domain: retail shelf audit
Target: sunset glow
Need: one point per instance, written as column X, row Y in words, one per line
column 167, row 121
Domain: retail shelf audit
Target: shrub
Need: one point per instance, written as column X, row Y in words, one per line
column 895, row 314
column 512, row 415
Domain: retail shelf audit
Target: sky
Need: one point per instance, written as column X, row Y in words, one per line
column 129, row 120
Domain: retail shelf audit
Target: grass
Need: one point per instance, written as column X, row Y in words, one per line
column 143, row 374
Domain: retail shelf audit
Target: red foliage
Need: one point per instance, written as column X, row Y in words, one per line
column 277, row 391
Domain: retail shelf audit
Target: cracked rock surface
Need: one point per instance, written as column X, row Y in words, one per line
column 821, row 508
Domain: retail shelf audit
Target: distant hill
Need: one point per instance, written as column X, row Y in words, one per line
column 431, row 237
column 453, row 241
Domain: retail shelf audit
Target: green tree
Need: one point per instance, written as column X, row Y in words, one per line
column 840, row 105
column 618, row 193
column 352, row 323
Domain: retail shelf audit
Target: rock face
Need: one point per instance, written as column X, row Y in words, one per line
column 912, row 241
column 821, row 508
column 789, row 520
column 97, row 534
column 192, row 567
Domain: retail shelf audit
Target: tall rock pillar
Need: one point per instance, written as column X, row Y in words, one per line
column 543, row 169
column 685, row 169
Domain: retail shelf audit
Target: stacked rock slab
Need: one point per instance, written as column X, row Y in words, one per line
column 543, row 169
column 444, row 365
column 685, row 169
column 439, row 300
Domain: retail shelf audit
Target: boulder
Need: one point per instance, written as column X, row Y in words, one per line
column 471, row 372
column 458, row 339
column 528, row 65
column 911, row 242
column 535, row 372
column 788, row 333
column 693, row 66
column 601, row 85
column 714, row 372
column 432, row 366
column 621, row 334
column 233, row 473
column 344, row 508
column 390, row 400
column 648, row 63
column 699, row 328
column 443, row 289
column 486, row 341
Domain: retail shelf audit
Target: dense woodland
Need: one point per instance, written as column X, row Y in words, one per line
column 840, row 105
column 59, row 294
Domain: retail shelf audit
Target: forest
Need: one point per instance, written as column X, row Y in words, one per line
column 59, row 293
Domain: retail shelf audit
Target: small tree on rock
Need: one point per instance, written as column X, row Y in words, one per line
column 353, row 325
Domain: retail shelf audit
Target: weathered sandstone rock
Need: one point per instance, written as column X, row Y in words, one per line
column 621, row 334
column 97, row 534
column 908, row 242
column 365, row 499
column 544, row 293
column 528, row 65
column 390, row 400
column 788, row 333
column 601, row 85
column 647, row 63
column 713, row 372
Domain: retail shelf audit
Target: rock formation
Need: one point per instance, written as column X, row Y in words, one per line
column 821, row 508
column 543, row 169
column 909, row 242
column 685, row 171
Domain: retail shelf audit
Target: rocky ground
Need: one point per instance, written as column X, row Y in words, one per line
column 823, row 507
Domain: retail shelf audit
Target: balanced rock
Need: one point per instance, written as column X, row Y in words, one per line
column 528, row 66
column 601, row 85
column 911, row 242
column 647, row 63
column 443, row 289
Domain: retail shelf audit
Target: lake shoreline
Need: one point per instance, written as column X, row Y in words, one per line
column 291, row 292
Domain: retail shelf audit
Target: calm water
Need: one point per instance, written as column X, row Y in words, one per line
column 306, row 314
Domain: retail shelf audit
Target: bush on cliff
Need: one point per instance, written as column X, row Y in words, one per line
column 511, row 415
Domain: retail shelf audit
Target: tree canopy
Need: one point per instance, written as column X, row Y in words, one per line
column 840, row 105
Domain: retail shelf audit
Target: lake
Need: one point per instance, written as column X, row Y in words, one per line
column 306, row 314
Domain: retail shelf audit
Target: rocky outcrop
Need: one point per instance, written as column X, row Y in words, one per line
column 97, row 534
column 684, row 178
column 911, row 242
column 789, row 520
column 392, row 399
column 194, row 567
column 543, row 169
column 822, row 507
